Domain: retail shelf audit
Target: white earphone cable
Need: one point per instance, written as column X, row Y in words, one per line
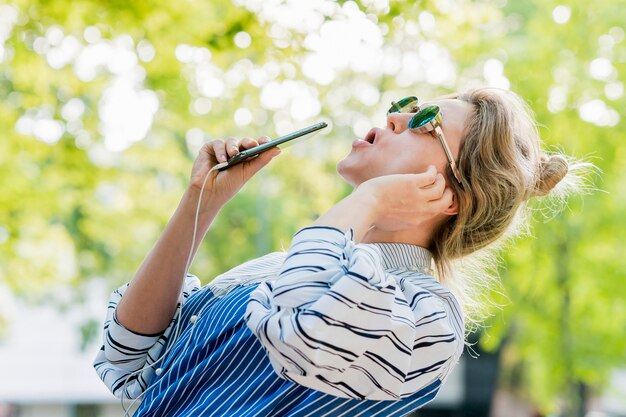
column 177, row 316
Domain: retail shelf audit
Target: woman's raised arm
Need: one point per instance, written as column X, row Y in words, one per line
column 149, row 303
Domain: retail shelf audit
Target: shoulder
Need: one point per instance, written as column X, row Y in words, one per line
column 425, row 295
column 254, row 270
column 258, row 265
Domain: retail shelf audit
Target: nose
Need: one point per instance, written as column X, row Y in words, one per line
column 398, row 122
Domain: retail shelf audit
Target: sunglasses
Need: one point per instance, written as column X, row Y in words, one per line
column 426, row 120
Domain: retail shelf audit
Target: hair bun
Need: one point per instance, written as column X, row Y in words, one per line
column 552, row 169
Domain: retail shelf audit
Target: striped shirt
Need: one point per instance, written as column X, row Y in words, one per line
column 330, row 328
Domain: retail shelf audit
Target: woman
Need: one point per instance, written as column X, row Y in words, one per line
column 351, row 321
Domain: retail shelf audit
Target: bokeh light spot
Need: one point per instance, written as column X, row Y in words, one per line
column 561, row 14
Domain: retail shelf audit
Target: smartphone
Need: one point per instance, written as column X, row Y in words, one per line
column 252, row 152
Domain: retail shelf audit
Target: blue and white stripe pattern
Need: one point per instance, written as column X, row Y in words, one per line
column 329, row 329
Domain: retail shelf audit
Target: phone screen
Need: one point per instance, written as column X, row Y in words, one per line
column 252, row 152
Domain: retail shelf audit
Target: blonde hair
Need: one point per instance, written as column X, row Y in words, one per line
column 502, row 166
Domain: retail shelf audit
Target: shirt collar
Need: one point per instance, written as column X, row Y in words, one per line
column 403, row 255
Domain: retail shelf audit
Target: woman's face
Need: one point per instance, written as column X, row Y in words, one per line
column 397, row 150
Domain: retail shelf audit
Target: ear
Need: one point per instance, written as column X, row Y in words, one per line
column 453, row 208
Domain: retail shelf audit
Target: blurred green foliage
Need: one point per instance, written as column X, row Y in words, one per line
column 75, row 210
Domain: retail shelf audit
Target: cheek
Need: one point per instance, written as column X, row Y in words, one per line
column 413, row 158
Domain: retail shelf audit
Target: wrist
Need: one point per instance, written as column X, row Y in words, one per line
column 367, row 202
column 209, row 206
column 356, row 212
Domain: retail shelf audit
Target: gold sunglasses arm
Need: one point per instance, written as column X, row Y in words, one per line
column 446, row 149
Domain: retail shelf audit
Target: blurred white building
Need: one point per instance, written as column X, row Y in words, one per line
column 43, row 372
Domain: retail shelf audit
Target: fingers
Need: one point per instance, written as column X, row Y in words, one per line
column 439, row 197
column 219, row 149
column 447, row 197
column 232, row 146
column 254, row 165
column 427, row 177
column 266, row 156
column 435, row 190
column 224, row 150
column 446, row 200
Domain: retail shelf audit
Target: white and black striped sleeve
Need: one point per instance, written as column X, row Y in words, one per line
column 124, row 352
column 334, row 320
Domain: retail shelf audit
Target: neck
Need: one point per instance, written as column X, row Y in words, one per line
column 421, row 235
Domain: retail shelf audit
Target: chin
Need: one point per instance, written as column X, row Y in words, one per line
column 341, row 170
column 350, row 173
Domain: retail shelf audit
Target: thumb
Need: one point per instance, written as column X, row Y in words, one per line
column 253, row 166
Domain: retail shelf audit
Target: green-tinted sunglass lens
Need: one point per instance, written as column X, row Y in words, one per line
column 426, row 115
column 406, row 105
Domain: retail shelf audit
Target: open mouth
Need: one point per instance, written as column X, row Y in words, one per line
column 371, row 136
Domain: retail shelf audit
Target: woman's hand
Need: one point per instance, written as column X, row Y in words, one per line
column 391, row 203
column 221, row 186
column 402, row 201
column 150, row 301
